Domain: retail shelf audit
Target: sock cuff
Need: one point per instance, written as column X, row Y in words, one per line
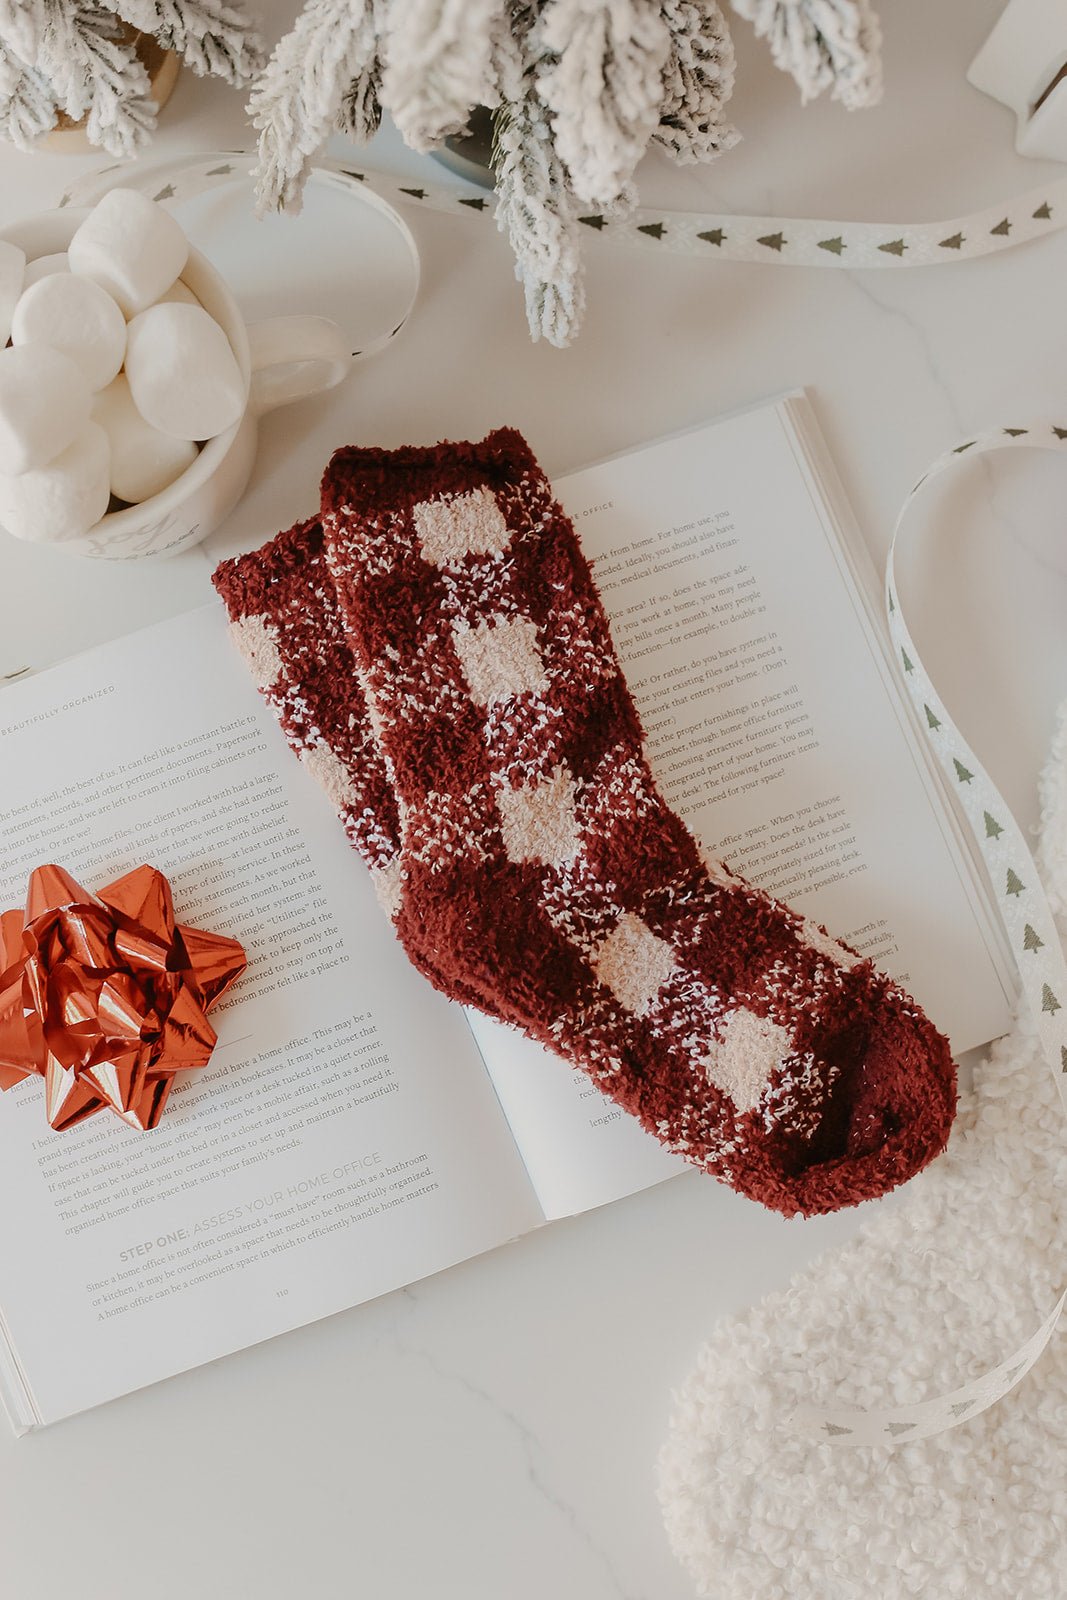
column 245, row 582
column 372, row 479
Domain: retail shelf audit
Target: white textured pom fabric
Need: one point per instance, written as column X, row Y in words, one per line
column 935, row 1289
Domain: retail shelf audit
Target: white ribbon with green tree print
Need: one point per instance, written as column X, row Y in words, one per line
column 715, row 236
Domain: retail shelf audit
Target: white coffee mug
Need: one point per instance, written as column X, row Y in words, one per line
column 281, row 359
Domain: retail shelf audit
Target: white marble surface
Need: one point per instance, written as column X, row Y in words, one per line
column 490, row 1434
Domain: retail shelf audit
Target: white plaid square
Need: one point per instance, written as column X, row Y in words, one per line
column 329, row 772
column 466, row 525
column 747, row 1052
column 500, row 659
column 634, row 963
column 538, row 820
column 257, row 639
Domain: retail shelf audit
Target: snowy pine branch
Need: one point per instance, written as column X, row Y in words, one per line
column 824, row 44
column 535, row 206
column 604, row 87
column 18, row 29
column 80, row 58
column 213, row 38
column 27, row 103
column 697, row 82
column 437, row 64
column 94, row 73
column 326, row 68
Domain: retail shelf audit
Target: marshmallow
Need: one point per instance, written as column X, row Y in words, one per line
column 63, row 499
column 12, row 268
column 77, row 317
column 43, row 266
column 131, row 247
column 44, row 402
column 179, row 293
column 183, row 376
column 144, row 461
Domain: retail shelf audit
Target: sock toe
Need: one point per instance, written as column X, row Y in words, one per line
column 887, row 1116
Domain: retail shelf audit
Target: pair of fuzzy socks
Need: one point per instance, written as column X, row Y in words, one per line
column 437, row 654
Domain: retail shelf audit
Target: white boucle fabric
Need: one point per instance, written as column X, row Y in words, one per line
column 937, row 1287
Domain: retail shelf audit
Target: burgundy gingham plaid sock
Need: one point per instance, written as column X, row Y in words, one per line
column 537, row 864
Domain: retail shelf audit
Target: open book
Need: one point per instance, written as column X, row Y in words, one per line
column 354, row 1131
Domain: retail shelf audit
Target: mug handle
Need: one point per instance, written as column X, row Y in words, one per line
column 293, row 357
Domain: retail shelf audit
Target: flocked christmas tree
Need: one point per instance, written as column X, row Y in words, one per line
column 578, row 90
column 78, row 60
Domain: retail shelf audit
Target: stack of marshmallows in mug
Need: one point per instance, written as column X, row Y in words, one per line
column 113, row 373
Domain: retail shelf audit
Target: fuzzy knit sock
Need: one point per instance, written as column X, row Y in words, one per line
column 285, row 621
column 539, row 865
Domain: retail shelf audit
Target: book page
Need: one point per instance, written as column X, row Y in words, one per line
column 344, row 1138
column 580, row 1150
column 775, row 731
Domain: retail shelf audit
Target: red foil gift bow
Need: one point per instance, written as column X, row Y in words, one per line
column 105, row 996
